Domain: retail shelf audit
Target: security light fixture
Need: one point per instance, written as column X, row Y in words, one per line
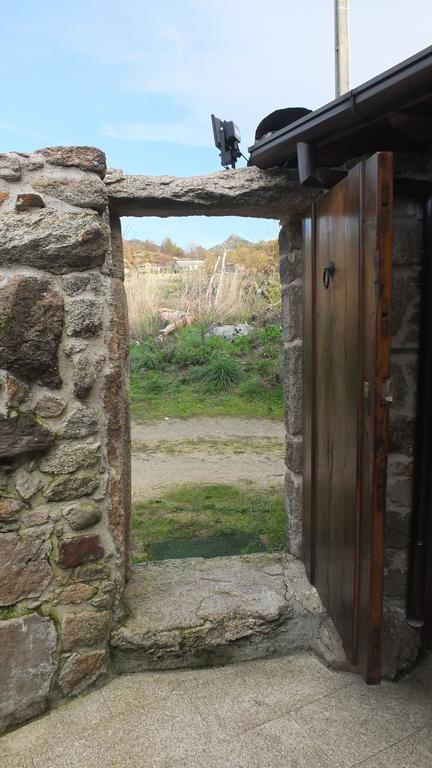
column 227, row 139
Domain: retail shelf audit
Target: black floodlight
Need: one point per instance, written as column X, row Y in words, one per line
column 227, row 139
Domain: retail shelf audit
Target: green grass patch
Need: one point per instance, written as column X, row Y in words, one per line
column 229, row 445
column 208, row 520
column 188, row 374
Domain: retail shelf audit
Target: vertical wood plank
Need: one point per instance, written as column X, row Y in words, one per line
column 309, row 392
column 377, row 260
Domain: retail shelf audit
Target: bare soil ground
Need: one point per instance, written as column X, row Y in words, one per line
column 172, row 452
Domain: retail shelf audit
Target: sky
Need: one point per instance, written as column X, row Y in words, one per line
column 140, row 79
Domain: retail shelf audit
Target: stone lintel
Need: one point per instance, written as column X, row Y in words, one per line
column 272, row 194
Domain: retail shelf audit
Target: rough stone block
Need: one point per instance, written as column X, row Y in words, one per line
column 84, row 192
column 397, row 527
column 85, row 629
column 67, row 457
column 233, row 609
column 81, row 670
column 294, row 510
column 396, row 573
column 399, row 490
column 49, row 406
column 9, row 512
column 10, row 167
column 37, row 516
column 91, row 572
column 82, row 422
column 400, row 385
column 21, row 433
column 27, row 647
column 407, row 238
column 84, row 376
column 291, row 236
column 104, row 601
column 73, row 285
column 27, row 202
column 292, row 308
column 401, row 433
column 27, row 483
column 405, row 307
column 400, row 642
column 80, row 549
column 83, row 318
column 294, row 453
column 293, row 373
column 57, row 242
column 75, row 347
column 3, row 197
column 74, row 594
column 116, row 399
column 16, row 391
column 87, row 158
column 68, row 487
column 31, row 325
column 24, row 568
column 82, row 515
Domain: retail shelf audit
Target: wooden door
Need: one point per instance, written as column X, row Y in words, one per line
column 347, row 288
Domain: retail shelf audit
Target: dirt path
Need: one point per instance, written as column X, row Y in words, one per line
column 171, row 452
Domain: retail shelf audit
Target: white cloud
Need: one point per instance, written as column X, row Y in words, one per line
column 240, row 60
column 175, row 133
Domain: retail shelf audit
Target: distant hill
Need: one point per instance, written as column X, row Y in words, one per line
column 254, row 257
column 231, row 243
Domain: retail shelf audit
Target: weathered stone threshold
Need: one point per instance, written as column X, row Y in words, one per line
column 201, row 612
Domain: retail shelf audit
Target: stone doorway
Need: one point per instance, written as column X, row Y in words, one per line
column 64, row 408
column 204, row 612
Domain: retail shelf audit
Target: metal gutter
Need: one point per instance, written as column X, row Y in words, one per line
column 392, row 90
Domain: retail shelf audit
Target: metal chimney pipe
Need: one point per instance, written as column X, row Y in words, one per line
column 341, row 47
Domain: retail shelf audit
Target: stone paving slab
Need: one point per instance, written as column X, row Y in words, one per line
column 290, row 712
column 200, row 612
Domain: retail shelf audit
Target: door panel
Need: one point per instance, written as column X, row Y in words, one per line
column 347, row 356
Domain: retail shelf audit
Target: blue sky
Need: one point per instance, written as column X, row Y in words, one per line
column 139, row 79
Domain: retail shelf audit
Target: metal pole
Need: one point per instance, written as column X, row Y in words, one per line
column 341, row 47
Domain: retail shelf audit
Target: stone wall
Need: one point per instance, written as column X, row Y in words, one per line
column 291, row 271
column 64, row 427
column 401, row 642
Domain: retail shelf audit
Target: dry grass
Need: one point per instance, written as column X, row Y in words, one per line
column 230, row 298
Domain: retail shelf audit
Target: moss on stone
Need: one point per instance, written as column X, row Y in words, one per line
column 14, row 613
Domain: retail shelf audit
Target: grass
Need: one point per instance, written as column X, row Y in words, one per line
column 207, row 521
column 231, row 446
column 188, row 374
column 231, row 298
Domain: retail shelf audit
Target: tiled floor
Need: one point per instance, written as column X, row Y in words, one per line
column 290, row 713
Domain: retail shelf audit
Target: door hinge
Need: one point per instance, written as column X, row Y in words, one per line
column 387, row 391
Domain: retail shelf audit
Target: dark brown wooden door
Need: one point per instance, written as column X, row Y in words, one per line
column 347, row 284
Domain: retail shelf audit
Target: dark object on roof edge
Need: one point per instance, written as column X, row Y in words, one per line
column 278, row 119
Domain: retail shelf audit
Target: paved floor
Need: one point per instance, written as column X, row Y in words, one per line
column 290, row 713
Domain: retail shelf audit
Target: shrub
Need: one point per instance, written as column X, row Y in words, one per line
column 220, row 373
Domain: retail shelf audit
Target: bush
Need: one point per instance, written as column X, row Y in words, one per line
column 220, row 373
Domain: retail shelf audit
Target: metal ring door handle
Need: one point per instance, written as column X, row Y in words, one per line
column 328, row 274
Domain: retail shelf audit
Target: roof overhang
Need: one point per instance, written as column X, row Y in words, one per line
column 393, row 111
